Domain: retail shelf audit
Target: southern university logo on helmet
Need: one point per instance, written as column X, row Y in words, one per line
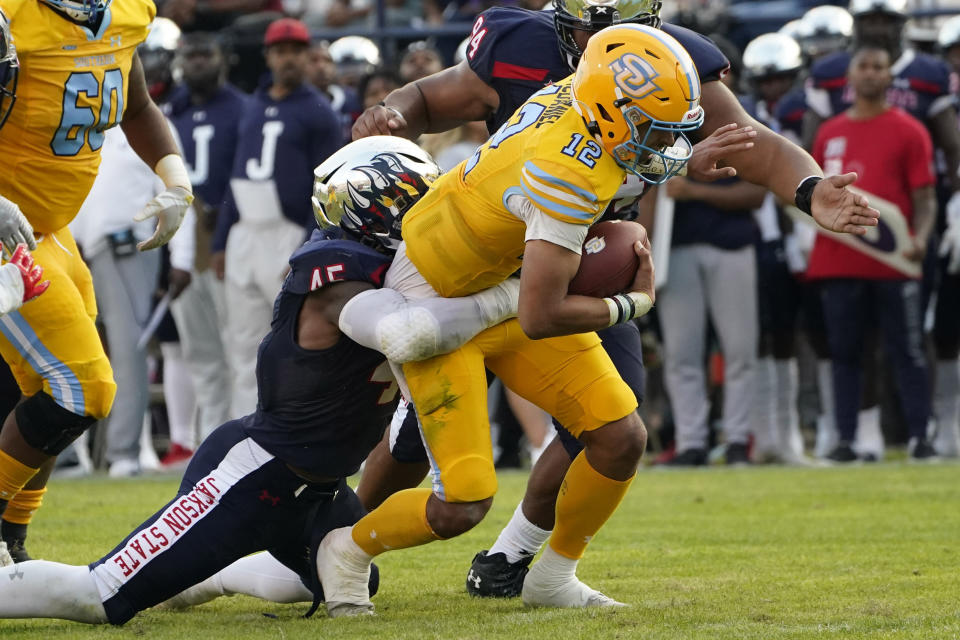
column 366, row 187
column 635, row 76
column 9, row 70
column 634, row 84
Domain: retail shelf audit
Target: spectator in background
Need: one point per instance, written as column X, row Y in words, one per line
column 205, row 110
column 124, row 280
column 772, row 63
column 376, row 85
column 946, row 324
column 893, row 156
column 923, row 86
column 322, row 73
column 286, row 129
column 420, row 60
column 712, row 275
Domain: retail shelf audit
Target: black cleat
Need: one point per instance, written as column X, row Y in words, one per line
column 920, row 451
column 843, row 452
column 492, row 576
column 737, row 454
column 15, row 535
column 17, row 551
column 689, row 458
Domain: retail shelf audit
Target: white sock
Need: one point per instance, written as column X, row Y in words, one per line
column 42, row 589
column 827, row 436
column 766, row 435
column 869, row 440
column 520, row 538
column 178, row 394
column 554, row 569
column 788, row 418
column 946, row 408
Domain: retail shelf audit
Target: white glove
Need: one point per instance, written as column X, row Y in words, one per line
column 169, row 208
column 14, row 228
column 950, row 244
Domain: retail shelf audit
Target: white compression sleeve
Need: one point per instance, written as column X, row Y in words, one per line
column 41, row 589
column 260, row 576
column 263, row 576
column 406, row 330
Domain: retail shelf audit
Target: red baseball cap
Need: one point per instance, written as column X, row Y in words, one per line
column 286, row 30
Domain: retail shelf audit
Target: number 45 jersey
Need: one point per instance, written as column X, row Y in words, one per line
column 462, row 237
column 73, row 86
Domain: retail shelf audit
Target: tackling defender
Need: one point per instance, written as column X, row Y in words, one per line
column 275, row 479
column 512, row 53
column 79, row 76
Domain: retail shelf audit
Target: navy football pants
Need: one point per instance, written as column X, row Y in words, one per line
column 850, row 309
column 235, row 499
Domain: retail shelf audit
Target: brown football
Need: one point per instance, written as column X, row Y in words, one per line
column 608, row 262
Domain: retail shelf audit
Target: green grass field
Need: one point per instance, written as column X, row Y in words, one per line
column 868, row 552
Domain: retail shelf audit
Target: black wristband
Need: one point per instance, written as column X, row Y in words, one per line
column 804, row 194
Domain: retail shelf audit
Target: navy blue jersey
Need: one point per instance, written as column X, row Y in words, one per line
column 789, row 112
column 283, row 141
column 517, row 52
column 208, row 136
column 322, row 410
column 922, row 85
column 346, row 103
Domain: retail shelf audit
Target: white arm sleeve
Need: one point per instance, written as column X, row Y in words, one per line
column 408, row 329
column 540, row 226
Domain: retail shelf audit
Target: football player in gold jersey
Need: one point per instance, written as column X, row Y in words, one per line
column 79, row 75
column 530, row 193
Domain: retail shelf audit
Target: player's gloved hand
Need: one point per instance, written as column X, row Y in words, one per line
column 713, row 149
column 379, row 120
column 20, row 280
column 14, row 228
column 950, row 243
column 168, row 208
column 836, row 208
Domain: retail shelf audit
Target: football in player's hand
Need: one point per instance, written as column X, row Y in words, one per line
column 608, row 262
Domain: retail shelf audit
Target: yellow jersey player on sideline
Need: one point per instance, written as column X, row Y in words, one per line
column 79, row 75
column 530, row 193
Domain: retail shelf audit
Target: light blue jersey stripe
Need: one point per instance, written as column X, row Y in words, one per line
column 563, row 184
column 64, row 384
column 550, row 205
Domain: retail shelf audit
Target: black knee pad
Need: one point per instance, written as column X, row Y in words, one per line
column 47, row 426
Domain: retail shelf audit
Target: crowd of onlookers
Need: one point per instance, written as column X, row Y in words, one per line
column 754, row 351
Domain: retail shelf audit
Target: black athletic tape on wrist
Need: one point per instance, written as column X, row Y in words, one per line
column 804, row 195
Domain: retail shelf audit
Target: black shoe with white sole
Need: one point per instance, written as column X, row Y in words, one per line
column 493, row 576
